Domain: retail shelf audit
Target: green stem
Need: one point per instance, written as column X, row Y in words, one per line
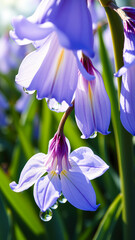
column 122, row 137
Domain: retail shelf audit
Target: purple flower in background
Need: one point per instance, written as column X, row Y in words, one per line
column 3, row 106
column 92, row 104
column 66, row 172
column 10, row 54
column 23, row 102
column 127, row 96
column 71, row 20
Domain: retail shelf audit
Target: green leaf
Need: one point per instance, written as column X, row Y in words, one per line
column 25, row 142
column 108, row 222
column 45, row 127
column 21, row 204
column 4, row 223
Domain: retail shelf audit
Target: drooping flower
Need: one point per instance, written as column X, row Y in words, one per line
column 129, row 39
column 52, row 71
column 92, row 104
column 127, row 96
column 66, row 172
column 127, row 100
column 71, row 20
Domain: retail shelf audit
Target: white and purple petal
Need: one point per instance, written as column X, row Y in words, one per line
column 78, row 190
column 26, row 31
column 51, row 71
column 129, row 41
column 127, row 100
column 92, row 106
column 47, row 190
column 85, row 161
column 31, row 172
column 73, row 24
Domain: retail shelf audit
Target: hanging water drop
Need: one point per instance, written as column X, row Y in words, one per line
column 55, row 206
column 27, row 91
column 62, row 199
column 46, row 216
column 93, row 135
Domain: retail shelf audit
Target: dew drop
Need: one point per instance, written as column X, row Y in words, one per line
column 62, row 199
column 55, row 206
column 46, row 216
column 93, row 135
column 27, row 91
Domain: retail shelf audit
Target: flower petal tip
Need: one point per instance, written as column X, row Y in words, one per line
column 13, row 185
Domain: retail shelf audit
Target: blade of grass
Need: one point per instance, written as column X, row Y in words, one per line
column 21, row 204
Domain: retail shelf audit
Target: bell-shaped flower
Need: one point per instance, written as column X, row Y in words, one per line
column 71, row 20
column 129, row 40
column 127, row 100
column 52, row 71
column 92, row 104
column 64, row 172
column 127, row 96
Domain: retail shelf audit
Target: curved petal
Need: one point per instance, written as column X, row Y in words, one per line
column 55, row 106
column 92, row 106
column 84, row 160
column 83, row 71
column 59, row 83
column 46, row 191
column 74, row 26
column 40, row 14
column 32, row 171
column 24, row 29
column 127, row 100
column 78, row 190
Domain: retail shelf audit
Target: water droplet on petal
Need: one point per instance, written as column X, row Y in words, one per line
column 27, row 91
column 46, row 216
column 93, row 135
column 62, row 199
column 55, row 206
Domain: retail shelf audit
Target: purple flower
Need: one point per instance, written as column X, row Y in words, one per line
column 52, row 71
column 3, row 106
column 10, row 54
column 127, row 100
column 71, row 20
column 66, row 172
column 129, row 40
column 92, row 104
column 127, row 96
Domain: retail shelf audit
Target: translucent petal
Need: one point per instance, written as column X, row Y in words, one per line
column 31, row 172
column 84, row 160
column 59, row 83
column 92, row 106
column 78, row 190
column 73, row 23
column 46, row 191
column 127, row 100
column 24, row 29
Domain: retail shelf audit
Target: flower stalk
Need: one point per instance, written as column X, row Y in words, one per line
column 64, row 118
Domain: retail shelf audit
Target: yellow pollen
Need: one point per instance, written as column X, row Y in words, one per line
column 53, row 173
column 60, row 59
column 64, row 172
column 90, row 92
